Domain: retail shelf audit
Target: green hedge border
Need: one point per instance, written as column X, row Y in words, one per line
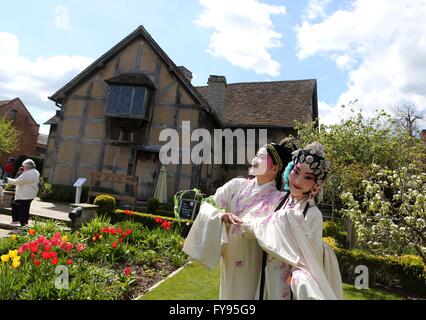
column 182, row 226
column 407, row 272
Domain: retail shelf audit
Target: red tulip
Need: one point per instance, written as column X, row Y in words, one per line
column 127, row 271
column 45, row 255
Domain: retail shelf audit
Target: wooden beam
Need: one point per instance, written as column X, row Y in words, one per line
column 83, row 120
column 138, row 59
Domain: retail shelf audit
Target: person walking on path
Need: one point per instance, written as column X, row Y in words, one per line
column 26, row 190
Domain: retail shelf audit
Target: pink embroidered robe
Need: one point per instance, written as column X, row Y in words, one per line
column 210, row 239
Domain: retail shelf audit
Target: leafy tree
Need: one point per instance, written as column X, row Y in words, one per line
column 355, row 145
column 376, row 178
column 8, row 137
column 391, row 219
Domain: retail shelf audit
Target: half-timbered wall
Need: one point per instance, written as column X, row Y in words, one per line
column 81, row 146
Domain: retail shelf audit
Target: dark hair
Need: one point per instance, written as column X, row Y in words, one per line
column 283, row 155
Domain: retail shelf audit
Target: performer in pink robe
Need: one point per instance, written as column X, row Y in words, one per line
column 299, row 264
column 216, row 233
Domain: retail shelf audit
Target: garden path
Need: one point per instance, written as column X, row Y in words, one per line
column 49, row 210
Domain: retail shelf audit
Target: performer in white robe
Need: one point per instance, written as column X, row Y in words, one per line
column 299, row 264
column 210, row 238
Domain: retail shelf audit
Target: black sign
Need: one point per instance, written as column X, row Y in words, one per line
column 187, row 208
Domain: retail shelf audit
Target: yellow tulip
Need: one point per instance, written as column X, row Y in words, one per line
column 13, row 253
column 5, row 258
column 17, row 258
column 64, row 239
column 13, row 237
column 16, row 263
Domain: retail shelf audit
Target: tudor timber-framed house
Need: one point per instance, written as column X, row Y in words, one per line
column 112, row 113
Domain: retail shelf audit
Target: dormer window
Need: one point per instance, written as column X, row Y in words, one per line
column 127, row 101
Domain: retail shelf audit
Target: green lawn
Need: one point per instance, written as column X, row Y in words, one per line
column 195, row 282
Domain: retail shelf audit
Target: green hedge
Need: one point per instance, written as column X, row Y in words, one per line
column 63, row 193
column 336, row 231
column 407, row 272
column 182, row 226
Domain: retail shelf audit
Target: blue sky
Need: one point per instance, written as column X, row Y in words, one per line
column 371, row 50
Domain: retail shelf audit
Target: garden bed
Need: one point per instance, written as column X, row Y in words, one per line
column 102, row 261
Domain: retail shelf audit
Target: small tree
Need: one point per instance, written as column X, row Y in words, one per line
column 355, row 145
column 8, row 137
column 391, row 217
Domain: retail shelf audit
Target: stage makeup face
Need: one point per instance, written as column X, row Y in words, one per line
column 261, row 163
column 302, row 180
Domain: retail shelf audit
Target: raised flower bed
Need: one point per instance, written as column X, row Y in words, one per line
column 100, row 261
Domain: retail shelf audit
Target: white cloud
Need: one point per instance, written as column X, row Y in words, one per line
column 62, row 17
column 327, row 113
column 244, row 33
column 315, row 9
column 382, row 45
column 34, row 80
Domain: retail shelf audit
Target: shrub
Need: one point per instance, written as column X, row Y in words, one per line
column 181, row 226
column 331, row 242
column 106, row 205
column 45, row 188
column 167, row 207
column 9, row 187
column 62, row 193
column 153, row 205
column 407, row 272
column 335, row 231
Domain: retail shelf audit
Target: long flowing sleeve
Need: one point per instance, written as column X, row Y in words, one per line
column 327, row 255
column 208, row 235
column 287, row 236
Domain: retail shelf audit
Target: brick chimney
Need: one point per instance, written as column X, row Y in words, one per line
column 216, row 94
column 186, row 72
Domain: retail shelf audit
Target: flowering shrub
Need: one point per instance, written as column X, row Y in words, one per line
column 390, row 218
